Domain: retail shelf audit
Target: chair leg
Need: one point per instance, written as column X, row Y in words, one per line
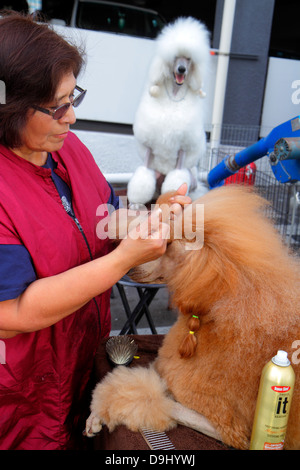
column 146, row 307
column 131, row 325
column 138, row 312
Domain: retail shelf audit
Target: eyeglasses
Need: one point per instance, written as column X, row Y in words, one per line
column 59, row 112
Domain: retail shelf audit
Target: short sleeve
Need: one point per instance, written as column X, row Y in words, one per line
column 16, row 271
column 113, row 199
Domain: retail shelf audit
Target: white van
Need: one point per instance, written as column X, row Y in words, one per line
column 116, row 18
column 119, row 44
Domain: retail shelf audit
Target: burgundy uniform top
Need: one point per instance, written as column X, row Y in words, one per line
column 46, row 372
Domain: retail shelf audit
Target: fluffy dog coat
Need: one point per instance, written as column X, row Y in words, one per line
column 169, row 122
column 240, row 296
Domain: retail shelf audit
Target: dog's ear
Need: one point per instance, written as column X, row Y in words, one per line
column 157, row 74
column 189, row 344
column 196, row 81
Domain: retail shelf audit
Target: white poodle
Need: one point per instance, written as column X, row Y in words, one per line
column 169, row 123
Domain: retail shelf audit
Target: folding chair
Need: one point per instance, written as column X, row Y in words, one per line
column 146, row 293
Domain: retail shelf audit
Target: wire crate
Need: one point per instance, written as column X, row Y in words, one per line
column 284, row 198
column 284, row 209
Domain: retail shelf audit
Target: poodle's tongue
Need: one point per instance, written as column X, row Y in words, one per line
column 179, row 77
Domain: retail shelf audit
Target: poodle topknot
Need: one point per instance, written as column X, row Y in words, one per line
column 186, row 37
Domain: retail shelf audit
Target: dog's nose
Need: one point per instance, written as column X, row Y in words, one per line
column 181, row 69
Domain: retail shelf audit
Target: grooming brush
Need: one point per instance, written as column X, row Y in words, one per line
column 121, row 350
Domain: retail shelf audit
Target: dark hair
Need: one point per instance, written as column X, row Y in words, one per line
column 33, row 61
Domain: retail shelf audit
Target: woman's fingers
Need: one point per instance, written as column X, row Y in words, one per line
column 153, row 227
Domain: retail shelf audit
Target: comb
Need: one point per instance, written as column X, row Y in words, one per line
column 156, row 440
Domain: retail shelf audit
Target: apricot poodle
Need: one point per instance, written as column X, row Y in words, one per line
column 238, row 298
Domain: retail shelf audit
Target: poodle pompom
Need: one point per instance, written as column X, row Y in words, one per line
column 142, row 186
column 175, row 179
column 121, row 398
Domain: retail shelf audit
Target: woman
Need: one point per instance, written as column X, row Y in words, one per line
column 55, row 273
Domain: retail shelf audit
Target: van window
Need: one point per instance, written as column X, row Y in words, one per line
column 285, row 37
column 118, row 19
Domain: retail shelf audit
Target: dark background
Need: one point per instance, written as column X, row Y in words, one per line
column 262, row 28
column 285, row 35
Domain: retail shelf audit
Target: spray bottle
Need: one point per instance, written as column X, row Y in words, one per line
column 273, row 404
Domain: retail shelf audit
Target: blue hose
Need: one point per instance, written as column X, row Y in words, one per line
column 231, row 164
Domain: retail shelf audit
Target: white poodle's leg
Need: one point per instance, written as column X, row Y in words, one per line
column 180, row 160
column 141, row 187
column 176, row 178
column 148, row 158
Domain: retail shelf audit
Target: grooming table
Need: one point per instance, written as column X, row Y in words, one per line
column 182, row 438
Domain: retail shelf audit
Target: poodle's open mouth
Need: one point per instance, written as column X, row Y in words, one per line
column 181, row 69
column 179, row 78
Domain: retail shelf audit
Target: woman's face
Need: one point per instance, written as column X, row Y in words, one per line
column 43, row 134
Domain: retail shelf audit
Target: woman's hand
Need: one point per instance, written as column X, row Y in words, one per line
column 74, row 288
column 180, row 196
column 172, row 205
column 146, row 240
column 176, row 200
column 179, row 200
